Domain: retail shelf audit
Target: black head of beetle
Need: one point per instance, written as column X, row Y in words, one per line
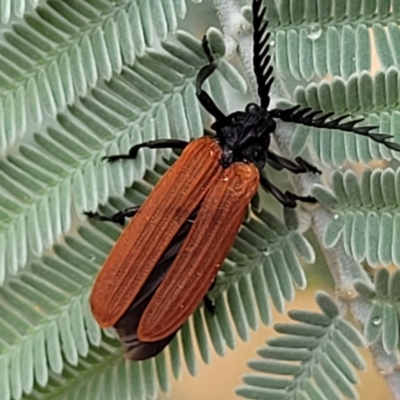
column 244, row 135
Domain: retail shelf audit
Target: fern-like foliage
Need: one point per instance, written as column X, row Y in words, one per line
column 56, row 53
column 103, row 373
column 315, row 357
column 333, row 37
column 365, row 215
column 80, row 80
column 15, row 9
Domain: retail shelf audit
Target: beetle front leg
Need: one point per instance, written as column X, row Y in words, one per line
column 151, row 144
column 204, row 98
column 118, row 217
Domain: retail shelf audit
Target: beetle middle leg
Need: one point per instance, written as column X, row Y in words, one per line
column 151, row 144
column 287, row 199
column 300, row 165
column 209, row 304
column 118, row 217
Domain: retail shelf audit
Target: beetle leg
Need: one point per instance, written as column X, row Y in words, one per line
column 129, row 212
column 304, row 199
column 255, row 203
column 298, row 167
column 151, row 144
column 277, row 193
column 118, row 217
column 205, row 100
column 209, row 304
column 309, row 167
column 273, row 163
column 287, row 199
column 254, row 206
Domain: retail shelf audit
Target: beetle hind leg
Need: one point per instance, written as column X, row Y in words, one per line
column 209, row 304
column 118, row 217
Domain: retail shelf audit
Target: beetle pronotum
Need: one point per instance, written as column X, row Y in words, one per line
column 168, row 256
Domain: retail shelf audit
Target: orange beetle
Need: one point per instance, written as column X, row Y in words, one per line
column 124, row 293
column 168, row 256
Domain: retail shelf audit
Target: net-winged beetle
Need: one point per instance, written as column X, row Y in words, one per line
column 164, row 262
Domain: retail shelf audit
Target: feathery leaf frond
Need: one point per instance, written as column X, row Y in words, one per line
column 61, row 49
column 365, row 214
column 314, row 357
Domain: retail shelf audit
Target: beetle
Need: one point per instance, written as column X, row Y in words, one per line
column 168, row 256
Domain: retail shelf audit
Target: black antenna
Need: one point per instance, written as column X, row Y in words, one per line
column 297, row 114
column 261, row 57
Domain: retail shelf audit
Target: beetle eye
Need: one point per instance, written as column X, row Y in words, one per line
column 251, row 107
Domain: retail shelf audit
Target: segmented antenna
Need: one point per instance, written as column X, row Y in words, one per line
column 317, row 119
column 261, row 56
